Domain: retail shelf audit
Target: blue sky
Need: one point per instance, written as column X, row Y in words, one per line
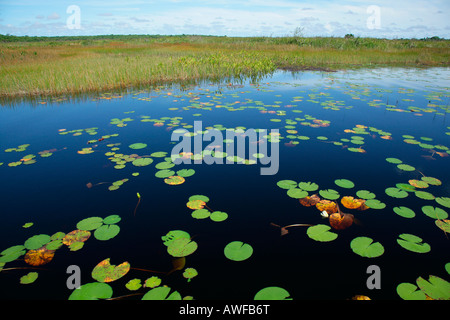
column 373, row 18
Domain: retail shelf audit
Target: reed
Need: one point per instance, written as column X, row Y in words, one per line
column 70, row 65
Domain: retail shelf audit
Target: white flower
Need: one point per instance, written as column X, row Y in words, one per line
column 324, row 214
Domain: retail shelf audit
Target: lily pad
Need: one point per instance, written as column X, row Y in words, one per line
column 344, row 183
column 308, row 186
column 287, row 184
column 106, row 232
column 37, row 241
column 181, row 247
column 137, row 146
column 364, row 194
column 142, row 162
column 435, row 212
column 174, row 235
column 413, row 243
column 92, row 291
column 272, row 293
column 89, row 224
column 29, row 278
column 443, row 201
column 201, row 214
column 297, row 193
column 161, row 293
column 406, row 167
column 375, row 204
column 436, row 288
column 105, row 272
column 218, row 216
column 185, row 173
column 396, row 193
column 238, row 251
column 404, row 212
column 199, row 197
column 365, row 247
column 112, row 219
column 424, row 195
column 329, row 194
column 12, row 253
column 409, row 291
column 321, row 233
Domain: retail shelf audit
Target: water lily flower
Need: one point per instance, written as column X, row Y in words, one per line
column 324, row 214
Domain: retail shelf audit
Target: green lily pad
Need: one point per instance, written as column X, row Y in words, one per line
column 329, row 194
column 89, row 224
column 406, row 187
column 164, row 165
column 238, row 251
column 137, row 146
column 409, row 291
column 29, row 278
column 394, row 160
column 287, row 184
column 375, row 204
column 106, row 232
column 164, row 173
column 308, row 186
column 272, row 293
column 321, row 233
column 364, row 194
column 161, row 293
column 413, row 243
column 181, row 247
column 105, row 272
column 37, row 241
column 12, row 253
column 174, row 235
column 92, row 291
column 114, row 218
column 406, row 167
column 297, row 193
column 218, row 216
column 190, row 273
column 424, row 195
column 432, row 181
column 185, row 172
column 133, row 284
column 201, row 214
column 199, row 197
column 396, row 193
column 142, row 162
column 443, row 201
column 365, row 247
column 404, row 212
column 344, row 183
column 436, row 288
column 152, row 282
column 435, row 212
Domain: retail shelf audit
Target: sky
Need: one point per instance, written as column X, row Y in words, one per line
column 365, row 18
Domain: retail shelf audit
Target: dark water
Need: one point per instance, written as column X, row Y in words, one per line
column 52, row 192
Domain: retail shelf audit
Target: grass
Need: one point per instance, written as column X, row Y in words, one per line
column 34, row 66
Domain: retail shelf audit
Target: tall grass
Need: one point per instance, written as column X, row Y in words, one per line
column 68, row 65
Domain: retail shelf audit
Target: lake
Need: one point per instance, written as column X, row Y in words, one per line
column 381, row 136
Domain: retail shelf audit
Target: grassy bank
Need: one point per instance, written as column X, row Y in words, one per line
column 70, row 65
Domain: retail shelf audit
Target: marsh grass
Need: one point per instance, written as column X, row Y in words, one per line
column 70, row 65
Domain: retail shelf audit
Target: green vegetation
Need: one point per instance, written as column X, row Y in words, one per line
column 42, row 66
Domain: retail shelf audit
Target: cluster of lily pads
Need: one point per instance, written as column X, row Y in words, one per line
column 339, row 220
column 40, row 249
column 202, row 211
